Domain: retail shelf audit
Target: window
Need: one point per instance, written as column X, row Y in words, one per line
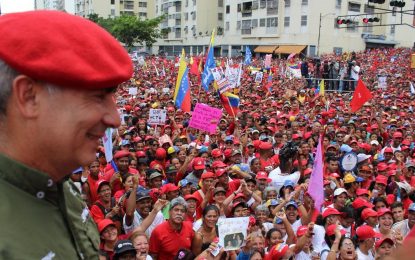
column 338, row 4
column 304, row 20
column 186, row 16
column 287, row 3
column 369, row 9
column 304, row 2
column 142, row 4
column 272, row 22
column 239, row 7
column 392, row 29
column 220, row 3
column 246, row 24
column 227, row 26
column 187, row 3
column 262, row 22
column 353, row 7
column 352, row 27
column 113, row 2
column 220, row 16
column 287, row 21
column 238, row 25
column 254, row 23
column 255, row 5
column 272, row 7
column 228, row 9
column 194, row 2
column 394, row 11
column 142, row 14
column 262, row 3
column 194, row 15
column 112, row 12
column 178, row 33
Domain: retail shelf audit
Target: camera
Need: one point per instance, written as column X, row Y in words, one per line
column 289, row 150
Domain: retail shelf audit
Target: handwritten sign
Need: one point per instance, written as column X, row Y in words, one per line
column 232, row 232
column 205, row 118
column 224, row 85
column 157, row 117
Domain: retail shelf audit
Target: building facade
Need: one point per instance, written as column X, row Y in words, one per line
column 113, row 8
column 309, row 27
column 50, row 5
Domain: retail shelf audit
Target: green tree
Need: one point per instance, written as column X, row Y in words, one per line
column 130, row 29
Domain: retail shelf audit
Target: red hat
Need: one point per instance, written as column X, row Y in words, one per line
column 218, row 164
column 227, row 153
column 360, row 203
column 199, row 163
column 388, row 150
column 384, row 211
column 101, row 183
column 382, row 179
column 330, row 211
column 103, row 224
column 216, row 152
column 121, row 154
column 382, row 240
column 140, row 154
column 301, row 231
column 265, row 146
column 191, row 197
column 308, row 171
column 330, row 231
column 160, row 153
column 365, row 232
column 168, row 187
column 368, row 212
column 360, row 192
column 239, row 195
column 375, row 126
column 220, row 172
column 277, row 252
column 207, row 175
column 262, row 176
column 382, row 166
column 47, row 40
column 397, row 134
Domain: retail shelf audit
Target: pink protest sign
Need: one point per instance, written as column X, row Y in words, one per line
column 205, row 118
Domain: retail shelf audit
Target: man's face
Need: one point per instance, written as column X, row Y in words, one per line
column 143, row 207
column 411, row 219
column 122, row 164
column 177, row 214
column 237, row 158
column 94, row 168
column 333, row 166
column 156, row 182
column 105, row 193
column 76, row 120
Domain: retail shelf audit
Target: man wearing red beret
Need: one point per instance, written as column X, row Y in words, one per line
column 58, row 72
column 121, row 159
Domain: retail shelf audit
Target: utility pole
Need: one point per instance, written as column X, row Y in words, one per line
column 318, row 41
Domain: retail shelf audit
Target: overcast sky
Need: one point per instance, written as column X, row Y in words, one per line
column 12, row 6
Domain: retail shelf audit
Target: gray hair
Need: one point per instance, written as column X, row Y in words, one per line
column 268, row 189
column 7, row 75
column 263, row 208
column 178, row 201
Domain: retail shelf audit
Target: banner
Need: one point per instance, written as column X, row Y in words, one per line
column 107, row 141
column 217, row 73
column 232, row 232
column 157, row 117
column 205, row 118
column 258, row 76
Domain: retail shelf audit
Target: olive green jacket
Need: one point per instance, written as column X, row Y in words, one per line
column 41, row 219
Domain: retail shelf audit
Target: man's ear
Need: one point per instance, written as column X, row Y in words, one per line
column 25, row 93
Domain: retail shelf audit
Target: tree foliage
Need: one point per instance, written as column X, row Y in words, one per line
column 130, row 29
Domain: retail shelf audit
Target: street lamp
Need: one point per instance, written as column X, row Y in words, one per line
column 319, row 32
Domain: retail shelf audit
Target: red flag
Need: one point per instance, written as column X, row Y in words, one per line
column 360, row 96
column 194, row 69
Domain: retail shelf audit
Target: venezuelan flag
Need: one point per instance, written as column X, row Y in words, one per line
column 182, row 90
column 320, row 89
column 230, row 102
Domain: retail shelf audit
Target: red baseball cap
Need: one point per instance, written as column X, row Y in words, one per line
column 382, row 179
column 265, row 146
column 207, row 175
column 360, row 192
column 220, row 172
column 103, row 224
column 121, row 154
column 382, row 166
column 216, row 153
column 277, row 252
column 368, row 212
column 169, row 187
column 330, row 231
column 301, row 231
column 388, row 150
column 384, row 211
column 199, row 163
column 262, row 176
column 365, row 232
column 360, row 203
column 382, row 240
column 330, row 211
column 218, row 164
column 160, row 153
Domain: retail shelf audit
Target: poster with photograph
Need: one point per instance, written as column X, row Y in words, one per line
column 233, row 232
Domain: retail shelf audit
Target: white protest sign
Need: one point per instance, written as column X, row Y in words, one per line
column 107, row 141
column 166, row 90
column 217, row 73
column 267, row 63
column 382, row 82
column 132, row 91
column 232, row 232
column 157, row 117
column 224, row 85
column 258, row 76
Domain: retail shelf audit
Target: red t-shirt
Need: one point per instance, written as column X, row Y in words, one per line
column 165, row 242
column 93, row 188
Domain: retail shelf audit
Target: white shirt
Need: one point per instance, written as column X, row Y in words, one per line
column 354, row 74
column 303, row 256
column 361, row 256
column 138, row 220
column 278, row 178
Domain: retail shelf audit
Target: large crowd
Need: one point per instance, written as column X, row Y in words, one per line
column 168, row 185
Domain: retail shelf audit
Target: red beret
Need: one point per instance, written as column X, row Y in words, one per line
column 265, row 146
column 121, row 154
column 63, row 49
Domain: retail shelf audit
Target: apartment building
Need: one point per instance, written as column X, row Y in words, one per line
column 113, row 8
column 50, row 5
column 281, row 27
